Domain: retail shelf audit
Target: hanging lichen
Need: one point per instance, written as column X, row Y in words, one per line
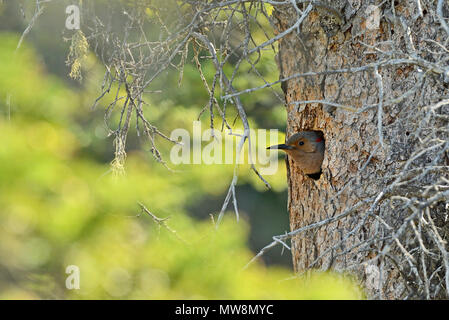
column 78, row 52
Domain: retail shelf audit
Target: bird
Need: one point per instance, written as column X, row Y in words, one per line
column 307, row 150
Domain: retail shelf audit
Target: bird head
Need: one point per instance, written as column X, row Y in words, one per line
column 307, row 150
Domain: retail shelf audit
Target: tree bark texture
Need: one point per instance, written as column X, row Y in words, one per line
column 362, row 157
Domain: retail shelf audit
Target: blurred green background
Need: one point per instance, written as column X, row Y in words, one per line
column 61, row 204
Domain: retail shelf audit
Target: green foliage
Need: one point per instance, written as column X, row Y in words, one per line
column 61, row 206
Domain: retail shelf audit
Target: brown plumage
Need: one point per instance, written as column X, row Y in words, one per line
column 307, row 150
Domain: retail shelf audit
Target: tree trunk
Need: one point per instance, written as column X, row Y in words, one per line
column 372, row 234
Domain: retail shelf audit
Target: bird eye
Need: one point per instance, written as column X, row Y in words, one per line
column 301, row 143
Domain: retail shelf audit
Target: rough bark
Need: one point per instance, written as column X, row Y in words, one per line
column 357, row 169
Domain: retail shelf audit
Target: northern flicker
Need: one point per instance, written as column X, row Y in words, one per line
column 307, row 150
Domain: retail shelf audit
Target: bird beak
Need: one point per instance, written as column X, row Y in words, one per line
column 280, row 146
